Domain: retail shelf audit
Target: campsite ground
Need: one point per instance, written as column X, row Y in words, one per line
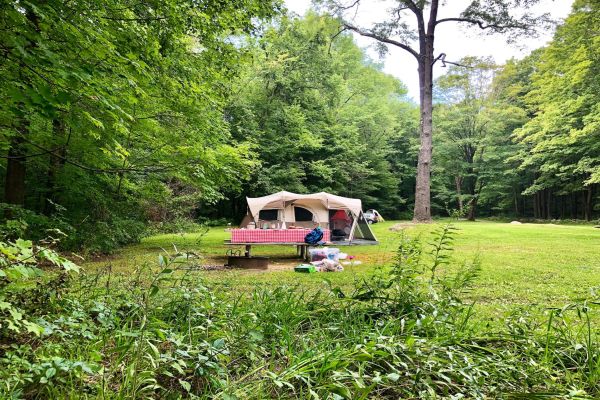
column 528, row 264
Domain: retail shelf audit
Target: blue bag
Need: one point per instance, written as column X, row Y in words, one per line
column 313, row 237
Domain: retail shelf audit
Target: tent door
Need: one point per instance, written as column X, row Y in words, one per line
column 362, row 229
column 340, row 224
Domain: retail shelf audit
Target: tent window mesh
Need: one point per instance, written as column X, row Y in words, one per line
column 302, row 214
column 268, row 215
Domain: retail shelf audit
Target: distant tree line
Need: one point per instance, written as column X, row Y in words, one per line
column 523, row 139
column 519, row 140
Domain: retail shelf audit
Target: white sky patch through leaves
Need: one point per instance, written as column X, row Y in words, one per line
column 453, row 39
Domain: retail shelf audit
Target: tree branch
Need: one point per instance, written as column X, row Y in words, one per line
column 432, row 23
column 481, row 24
column 350, row 6
column 333, row 38
column 382, row 39
column 23, row 157
column 144, row 169
column 139, row 19
column 442, row 58
column 412, row 6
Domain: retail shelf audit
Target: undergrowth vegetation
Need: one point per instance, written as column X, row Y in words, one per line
column 167, row 332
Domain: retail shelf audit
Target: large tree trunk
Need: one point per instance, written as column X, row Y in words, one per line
column 56, row 163
column 422, row 211
column 472, row 209
column 14, row 187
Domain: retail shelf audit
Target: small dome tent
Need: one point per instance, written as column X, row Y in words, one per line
column 283, row 210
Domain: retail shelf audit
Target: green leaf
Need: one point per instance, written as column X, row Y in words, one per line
column 50, row 372
column 33, row 328
column 186, row 385
column 393, row 376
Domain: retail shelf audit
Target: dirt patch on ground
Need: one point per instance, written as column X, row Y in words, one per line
column 283, row 265
column 403, row 225
column 275, row 263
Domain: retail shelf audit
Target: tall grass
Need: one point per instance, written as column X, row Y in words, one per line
column 402, row 332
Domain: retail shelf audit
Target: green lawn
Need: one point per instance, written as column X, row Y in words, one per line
column 529, row 264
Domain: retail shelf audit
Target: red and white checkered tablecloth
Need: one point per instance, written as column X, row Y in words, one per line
column 273, row 235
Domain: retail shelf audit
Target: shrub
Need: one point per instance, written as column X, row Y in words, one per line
column 24, row 285
column 402, row 332
column 106, row 236
column 214, row 222
column 91, row 236
column 177, row 225
column 25, row 223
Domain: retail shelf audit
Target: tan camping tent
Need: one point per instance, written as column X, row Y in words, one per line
column 283, row 208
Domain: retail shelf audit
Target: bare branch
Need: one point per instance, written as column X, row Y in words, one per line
column 23, row 157
column 350, row 6
column 442, row 58
column 412, row 6
column 159, row 115
column 144, row 169
column 382, row 39
column 431, row 24
column 342, row 30
column 481, row 24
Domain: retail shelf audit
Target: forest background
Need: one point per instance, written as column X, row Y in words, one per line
column 116, row 121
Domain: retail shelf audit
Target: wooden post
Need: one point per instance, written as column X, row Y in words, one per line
column 248, row 252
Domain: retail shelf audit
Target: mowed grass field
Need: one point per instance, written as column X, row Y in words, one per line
column 538, row 265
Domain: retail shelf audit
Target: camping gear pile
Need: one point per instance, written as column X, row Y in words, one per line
column 326, row 259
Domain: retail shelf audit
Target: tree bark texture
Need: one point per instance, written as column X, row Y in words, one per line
column 472, row 209
column 55, row 165
column 458, row 183
column 14, row 186
column 422, row 210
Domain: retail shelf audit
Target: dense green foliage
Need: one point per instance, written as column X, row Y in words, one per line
column 528, row 138
column 121, row 118
column 118, row 117
column 561, row 143
column 403, row 331
column 473, row 140
column 322, row 116
column 112, row 112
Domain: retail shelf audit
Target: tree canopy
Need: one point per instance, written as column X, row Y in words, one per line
column 119, row 116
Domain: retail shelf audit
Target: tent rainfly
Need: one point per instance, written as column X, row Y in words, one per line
column 342, row 215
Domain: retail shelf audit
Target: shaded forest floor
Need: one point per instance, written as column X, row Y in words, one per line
column 539, row 265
